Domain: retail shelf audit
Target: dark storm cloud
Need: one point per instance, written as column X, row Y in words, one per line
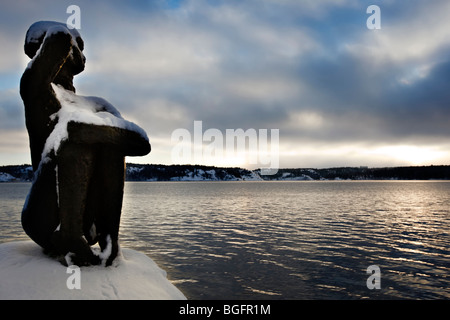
column 349, row 87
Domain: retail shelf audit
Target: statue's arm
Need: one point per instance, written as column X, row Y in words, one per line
column 128, row 142
column 49, row 59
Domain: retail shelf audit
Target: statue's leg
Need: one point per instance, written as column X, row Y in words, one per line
column 40, row 215
column 75, row 169
column 107, row 190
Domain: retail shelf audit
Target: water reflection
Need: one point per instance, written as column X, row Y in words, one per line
column 12, row 199
column 284, row 240
column 296, row 240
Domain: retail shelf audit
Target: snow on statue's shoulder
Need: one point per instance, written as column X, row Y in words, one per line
column 27, row 273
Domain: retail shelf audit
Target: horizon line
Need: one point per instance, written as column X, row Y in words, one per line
column 286, row 168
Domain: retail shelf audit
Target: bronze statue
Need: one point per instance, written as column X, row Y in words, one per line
column 76, row 197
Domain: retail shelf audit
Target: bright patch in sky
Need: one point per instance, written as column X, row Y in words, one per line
column 412, row 155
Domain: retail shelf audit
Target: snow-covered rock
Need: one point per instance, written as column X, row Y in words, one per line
column 6, row 177
column 251, row 176
column 27, row 273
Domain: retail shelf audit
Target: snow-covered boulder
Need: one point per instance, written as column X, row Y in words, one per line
column 6, row 177
column 27, row 273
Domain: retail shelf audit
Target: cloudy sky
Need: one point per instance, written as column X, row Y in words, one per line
column 339, row 93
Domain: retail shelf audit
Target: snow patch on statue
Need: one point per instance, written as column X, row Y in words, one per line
column 41, row 30
column 81, row 109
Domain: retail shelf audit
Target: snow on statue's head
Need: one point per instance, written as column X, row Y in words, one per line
column 38, row 31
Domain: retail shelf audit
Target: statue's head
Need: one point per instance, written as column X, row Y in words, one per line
column 39, row 30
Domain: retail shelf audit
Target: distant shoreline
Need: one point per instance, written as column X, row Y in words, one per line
column 158, row 172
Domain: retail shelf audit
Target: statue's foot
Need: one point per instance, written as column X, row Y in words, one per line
column 79, row 249
column 113, row 255
column 82, row 260
column 110, row 249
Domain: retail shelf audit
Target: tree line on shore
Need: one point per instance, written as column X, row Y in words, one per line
column 158, row 172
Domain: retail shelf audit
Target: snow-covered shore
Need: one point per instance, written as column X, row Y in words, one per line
column 152, row 172
column 26, row 273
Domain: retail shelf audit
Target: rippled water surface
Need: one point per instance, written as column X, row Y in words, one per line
column 284, row 240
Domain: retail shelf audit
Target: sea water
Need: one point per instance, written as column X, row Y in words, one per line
column 284, row 240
